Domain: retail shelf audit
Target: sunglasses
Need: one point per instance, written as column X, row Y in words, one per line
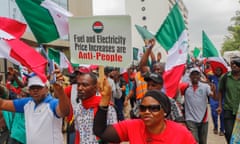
column 151, row 108
column 237, row 63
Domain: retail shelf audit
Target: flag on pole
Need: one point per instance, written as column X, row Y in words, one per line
column 212, row 54
column 145, row 34
column 172, row 35
column 15, row 50
column 60, row 58
column 46, row 19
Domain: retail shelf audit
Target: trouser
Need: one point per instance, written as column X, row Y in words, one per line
column 229, row 120
column 119, row 104
column 199, row 131
column 215, row 115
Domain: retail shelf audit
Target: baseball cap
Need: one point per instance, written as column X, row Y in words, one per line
column 194, row 70
column 35, row 81
column 157, row 78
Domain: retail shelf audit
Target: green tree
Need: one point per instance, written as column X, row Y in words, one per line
column 232, row 41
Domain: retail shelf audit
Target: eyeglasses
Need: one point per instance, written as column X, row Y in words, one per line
column 151, row 108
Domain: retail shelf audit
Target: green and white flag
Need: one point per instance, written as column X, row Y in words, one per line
column 172, row 35
column 212, row 54
column 144, row 33
column 47, row 20
column 60, row 58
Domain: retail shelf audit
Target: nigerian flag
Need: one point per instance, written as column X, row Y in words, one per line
column 46, row 19
column 212, row 54
column 60, row 59
column 172, row 36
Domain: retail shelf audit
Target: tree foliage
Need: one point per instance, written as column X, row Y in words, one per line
column 232, row 41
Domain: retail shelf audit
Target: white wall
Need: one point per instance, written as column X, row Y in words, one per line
column 155, row 13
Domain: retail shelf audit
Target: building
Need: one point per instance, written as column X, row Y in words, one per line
column 149, row 14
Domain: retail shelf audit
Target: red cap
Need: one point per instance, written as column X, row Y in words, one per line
column 83, row 69
column 93, row 67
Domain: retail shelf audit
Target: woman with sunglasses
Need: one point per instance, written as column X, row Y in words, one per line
column 151, row 128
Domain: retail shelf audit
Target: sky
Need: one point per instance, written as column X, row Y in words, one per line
column 212, row 16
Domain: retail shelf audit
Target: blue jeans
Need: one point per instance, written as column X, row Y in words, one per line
column 214, row 114
column 199, row 131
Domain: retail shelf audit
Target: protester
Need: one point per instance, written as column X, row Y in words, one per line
column 70, row 119
column 229, row 90
column 152, row 127
column 43, row 113
column 14, row 83
column 214, row 78
column 120, row 85
column 4, row 133
column 85, row 105
column 16, row 123
column 195, row 104
column 139, row 88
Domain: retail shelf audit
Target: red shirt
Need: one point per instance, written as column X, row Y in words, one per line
column 134, row 132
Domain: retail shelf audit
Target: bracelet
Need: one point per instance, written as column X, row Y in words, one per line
column 105, row 108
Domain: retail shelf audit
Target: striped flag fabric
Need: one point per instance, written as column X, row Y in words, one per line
column 14, row 49
column 60, row 58
column 172, row 36
column 47, row 20
column 213, row 54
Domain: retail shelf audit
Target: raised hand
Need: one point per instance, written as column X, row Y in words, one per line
column 105, row 90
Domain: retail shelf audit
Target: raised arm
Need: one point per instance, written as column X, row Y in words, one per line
column 63, row 108
column 150, row 44
column 100, row 127
column 7, row 105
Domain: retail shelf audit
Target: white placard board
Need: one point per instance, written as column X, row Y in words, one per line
column 101, row 40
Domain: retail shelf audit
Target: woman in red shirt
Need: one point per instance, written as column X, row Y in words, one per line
column 151, row 128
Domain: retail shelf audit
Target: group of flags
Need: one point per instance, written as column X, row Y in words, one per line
column 173, row 37
column 48, row 22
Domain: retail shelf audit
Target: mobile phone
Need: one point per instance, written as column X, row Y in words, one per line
column 52, row 78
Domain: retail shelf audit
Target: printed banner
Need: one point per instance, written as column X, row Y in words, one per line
column 102, row 40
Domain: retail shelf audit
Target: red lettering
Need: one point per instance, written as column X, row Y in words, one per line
column 85, row 55
column 108, row 57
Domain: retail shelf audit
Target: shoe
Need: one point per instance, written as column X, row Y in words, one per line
column 221, row 133
column 215, row 131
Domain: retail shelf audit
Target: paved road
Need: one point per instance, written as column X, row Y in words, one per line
column 212, row 138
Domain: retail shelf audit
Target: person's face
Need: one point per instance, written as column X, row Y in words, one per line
column 85, row 86
column 151, row 85
column 158, row 68
column 38, row 93
column 235, row 66
column 144, row 70
column 154, row 116
column 218, row 71
column 195, row 77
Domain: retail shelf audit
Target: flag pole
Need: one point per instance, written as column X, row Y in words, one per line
column 5, row 69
